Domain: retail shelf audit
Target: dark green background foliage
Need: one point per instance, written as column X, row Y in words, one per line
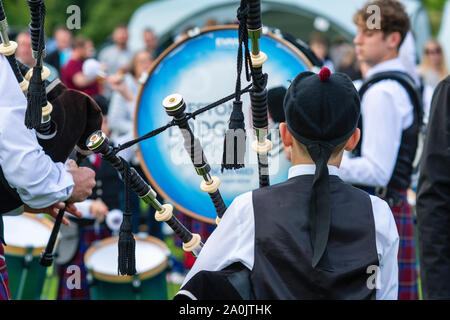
column 99, row 17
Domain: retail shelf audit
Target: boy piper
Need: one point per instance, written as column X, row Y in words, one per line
column 313, row 236
column 383, row 161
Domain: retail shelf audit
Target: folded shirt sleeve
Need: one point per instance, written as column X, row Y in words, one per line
column 38, row 180
column 387, row 241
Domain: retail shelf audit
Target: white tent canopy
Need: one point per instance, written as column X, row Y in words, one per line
column 168, row 18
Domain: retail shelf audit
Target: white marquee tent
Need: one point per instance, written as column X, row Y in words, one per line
column 168, row 18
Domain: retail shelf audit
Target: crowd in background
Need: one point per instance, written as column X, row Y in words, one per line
column 115, row 74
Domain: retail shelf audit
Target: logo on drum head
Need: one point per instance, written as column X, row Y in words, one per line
column 227, row 42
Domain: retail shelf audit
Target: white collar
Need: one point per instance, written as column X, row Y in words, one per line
column 388, row 65
column 309, row 169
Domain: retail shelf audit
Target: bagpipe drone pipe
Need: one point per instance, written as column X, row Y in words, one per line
column 167, row 72
column 62, row 118
column 174, row 105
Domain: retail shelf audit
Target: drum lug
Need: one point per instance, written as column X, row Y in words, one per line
column 90, row 278
column 28, row 258
column 136, row 283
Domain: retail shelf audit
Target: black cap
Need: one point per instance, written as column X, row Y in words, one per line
column 324, row 107
column 322, row 110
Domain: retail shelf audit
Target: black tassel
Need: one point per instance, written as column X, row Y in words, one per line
column 235, row 140
column 33, row 114
column 37, row 97
column 127, row 243
column 235, row 136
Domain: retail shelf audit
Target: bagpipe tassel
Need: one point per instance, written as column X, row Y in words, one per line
column 127, row 243
column 35, row 99
column 234, row 145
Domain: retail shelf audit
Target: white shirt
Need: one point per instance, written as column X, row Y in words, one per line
column 233, row 239
column 386, row 111
column 39, row 181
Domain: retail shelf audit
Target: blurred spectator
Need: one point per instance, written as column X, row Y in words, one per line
column 319, row 45
column 349, row 64
column 433, row 68
column 23, row 52
column 151, row 42
column 117, row 56
column 72, row 74
column 211, row 22
column 126, row 89
column 59, row 58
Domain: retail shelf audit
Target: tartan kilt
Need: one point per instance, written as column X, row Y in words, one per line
column 87, row 236
column 407, row 264
column 4, row 285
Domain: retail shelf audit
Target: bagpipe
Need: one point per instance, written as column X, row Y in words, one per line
column 250, row 60
column 174, row 105
column 62, row 118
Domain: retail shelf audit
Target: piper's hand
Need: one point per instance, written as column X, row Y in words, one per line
column 84, row 179
column 53, row 211
column 99, row 210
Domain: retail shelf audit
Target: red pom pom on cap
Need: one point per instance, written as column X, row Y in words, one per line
column 324, row 74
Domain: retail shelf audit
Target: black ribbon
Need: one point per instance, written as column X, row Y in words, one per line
column 320, row 203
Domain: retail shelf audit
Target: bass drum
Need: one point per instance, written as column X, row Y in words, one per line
column 148, row 284
column 202, row 68
column 26, row 237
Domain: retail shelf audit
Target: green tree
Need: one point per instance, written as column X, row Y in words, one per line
column 98, row 18
column 434, row 9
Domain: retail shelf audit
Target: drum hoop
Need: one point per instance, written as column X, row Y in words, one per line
column 22, row 251
column 126, row 279
column 153, row 66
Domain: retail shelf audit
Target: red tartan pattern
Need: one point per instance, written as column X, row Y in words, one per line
column 407, row 264
column 88, row 236
column 4, row 285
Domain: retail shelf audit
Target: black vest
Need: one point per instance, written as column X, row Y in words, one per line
column 283, row 250
column 401, row 177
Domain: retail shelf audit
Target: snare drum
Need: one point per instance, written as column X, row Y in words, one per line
column 26, row 237
column 202, row 68
column 149, row 283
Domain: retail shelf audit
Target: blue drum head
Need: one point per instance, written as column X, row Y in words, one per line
column 203, row 70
